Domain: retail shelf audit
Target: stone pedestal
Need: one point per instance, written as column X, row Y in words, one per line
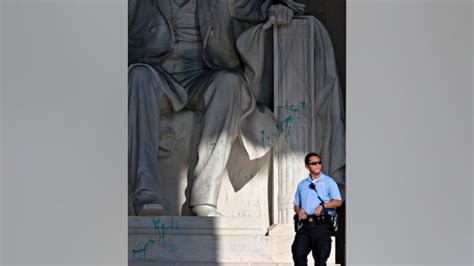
column 173, row 240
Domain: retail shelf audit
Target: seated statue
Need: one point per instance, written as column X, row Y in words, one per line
column 182, row 55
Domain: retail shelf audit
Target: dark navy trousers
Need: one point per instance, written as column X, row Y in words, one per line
column 312, row 237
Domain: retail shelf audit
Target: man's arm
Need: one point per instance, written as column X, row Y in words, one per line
column 296, row 208
column 333, row 204
column 328, row 205
column 336, row 200
column 301, row 213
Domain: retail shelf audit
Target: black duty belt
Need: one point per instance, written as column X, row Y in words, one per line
column 328, row 216
column 322, row 219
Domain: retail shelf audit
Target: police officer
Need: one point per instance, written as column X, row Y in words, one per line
column 314, row 193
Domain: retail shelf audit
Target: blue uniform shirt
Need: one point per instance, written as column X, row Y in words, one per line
column 307, row 199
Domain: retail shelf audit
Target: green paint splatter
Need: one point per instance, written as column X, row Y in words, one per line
column 140, row 253
column 266, row 140
column 160, row 227
column 295, row 118
column 217, row 146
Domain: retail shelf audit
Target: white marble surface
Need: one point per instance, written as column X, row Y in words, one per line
column 254, row 197
column 239, row 241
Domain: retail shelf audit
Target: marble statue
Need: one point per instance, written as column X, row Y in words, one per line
column 183, row 56
column 301, row 76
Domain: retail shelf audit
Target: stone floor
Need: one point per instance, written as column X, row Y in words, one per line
column 229, row 241
column 212, row 264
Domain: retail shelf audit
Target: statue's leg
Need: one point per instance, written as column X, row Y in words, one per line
column 143, row 135
column 221, row 101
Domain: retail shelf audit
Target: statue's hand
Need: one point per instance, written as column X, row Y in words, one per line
column 282, row 14
column 279, row 15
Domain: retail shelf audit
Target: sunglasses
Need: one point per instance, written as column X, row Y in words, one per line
column 315, row 163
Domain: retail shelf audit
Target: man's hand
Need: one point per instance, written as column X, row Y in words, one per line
column 302, row 215
column 318, row 210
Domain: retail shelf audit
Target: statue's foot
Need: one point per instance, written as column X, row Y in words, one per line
column 146, row 202
column 206, row 210
column 151, row 209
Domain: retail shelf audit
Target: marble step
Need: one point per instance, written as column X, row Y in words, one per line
column 214, row 264
column 172, row 240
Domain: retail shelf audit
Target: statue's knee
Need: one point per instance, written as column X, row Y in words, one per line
column 141, row 81
column 229, row 83
column 139, row 72
column 227, row 77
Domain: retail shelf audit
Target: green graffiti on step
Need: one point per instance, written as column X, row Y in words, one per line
column 160, row 227
column 140, row 253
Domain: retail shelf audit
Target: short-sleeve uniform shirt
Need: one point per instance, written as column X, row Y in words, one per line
column 307, row 198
